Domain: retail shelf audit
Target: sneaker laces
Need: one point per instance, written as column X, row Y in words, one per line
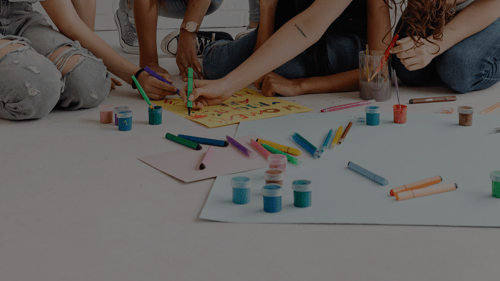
column 202, row 42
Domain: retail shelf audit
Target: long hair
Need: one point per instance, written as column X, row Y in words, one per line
column 424, row 17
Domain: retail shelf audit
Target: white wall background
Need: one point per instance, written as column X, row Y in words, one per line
column 232, row 13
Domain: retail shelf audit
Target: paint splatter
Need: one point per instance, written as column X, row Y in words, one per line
column 196, row 116
column 34, row 69
column 31, row 92
column 16, row 62
column 93, row 95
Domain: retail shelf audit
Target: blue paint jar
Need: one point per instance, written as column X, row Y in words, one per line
column 154, row 115
column 302, row 193
column 118, row 109
column 372, row 115
column 124, row 120
column 241, row 190
column 272, row 194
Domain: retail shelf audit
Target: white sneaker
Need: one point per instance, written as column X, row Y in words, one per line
column 243, row 33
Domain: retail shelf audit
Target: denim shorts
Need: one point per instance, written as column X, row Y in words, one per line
column 31, row 85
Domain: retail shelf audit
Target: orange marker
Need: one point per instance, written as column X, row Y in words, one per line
column 417, row 185
column 341, row 140
column 403, row 195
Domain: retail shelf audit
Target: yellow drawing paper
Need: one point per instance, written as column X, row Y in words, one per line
column 245, row 105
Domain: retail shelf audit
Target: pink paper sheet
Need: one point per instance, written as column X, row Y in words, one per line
column 184, row 164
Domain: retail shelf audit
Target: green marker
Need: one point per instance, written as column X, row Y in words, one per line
column 190, row 89
column 290, row 158
column 143, row 94
column 179, row 140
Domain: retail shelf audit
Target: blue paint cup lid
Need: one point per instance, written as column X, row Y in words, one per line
column 272, row 190
column 120, row 108
column 302, row 185
column 124, row 114
column 495, row 176
column 372, row 109
column 241, row 182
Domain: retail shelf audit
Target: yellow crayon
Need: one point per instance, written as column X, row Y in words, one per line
column 280, row 147
column 337, row 136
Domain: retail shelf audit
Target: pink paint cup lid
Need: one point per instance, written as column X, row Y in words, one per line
column 106, row 108
column 465, row 110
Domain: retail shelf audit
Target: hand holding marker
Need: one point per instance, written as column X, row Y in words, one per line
column 143, row 94
column 157, row 76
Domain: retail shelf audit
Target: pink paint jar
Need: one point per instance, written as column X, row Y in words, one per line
column 106, row 114
column 274, row 176
column 277, row 161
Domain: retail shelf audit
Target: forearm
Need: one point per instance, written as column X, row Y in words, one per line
column 146, row 22
column 341, row 82
column 86, row 10
column 290, row 40
column 266, row 24
column 473, row 19
column 379, row 25
column 196, row 11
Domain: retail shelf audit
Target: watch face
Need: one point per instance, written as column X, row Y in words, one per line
column 191, row 26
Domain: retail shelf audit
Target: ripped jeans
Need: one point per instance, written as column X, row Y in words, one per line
column 31, row 85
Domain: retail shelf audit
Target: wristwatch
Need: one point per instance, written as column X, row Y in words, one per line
column 190, row 26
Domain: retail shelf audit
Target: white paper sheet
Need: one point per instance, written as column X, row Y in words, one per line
column 428, row 145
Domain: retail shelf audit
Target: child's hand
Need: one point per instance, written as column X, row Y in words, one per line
column 205, row 93
column 272, row 84
column 115, row 82
column 412, row 57
column 154, row 88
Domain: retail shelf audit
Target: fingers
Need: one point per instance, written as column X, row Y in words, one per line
column 258, row 83
column 268, row 87
column 183, row 94
column 197, row 67
column 406, row 54
column 183, row 69
column 195, row 94
column 116, row 82
column 155, row 97
column 159, row 87
column 403, row 45
column 166, row 76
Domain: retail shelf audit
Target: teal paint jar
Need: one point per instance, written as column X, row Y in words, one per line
column 155, row 115
column 302, row 190
column 241, row 190
column 495, row 179
column 124, row 120
column 272, row 194
column 372, row 115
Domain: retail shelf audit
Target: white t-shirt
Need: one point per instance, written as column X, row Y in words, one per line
column 463, row 5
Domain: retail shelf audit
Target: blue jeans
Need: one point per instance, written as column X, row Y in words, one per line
column 175, row 9
column 471, row 65
column 222, row 57
column 30, row 84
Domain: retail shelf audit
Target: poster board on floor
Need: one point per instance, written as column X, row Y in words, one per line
column 428, row 145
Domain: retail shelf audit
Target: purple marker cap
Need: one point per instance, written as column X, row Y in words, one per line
column 157, row 76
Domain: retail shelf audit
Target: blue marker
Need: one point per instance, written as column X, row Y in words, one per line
column 205, row 141
column 306, row 145
column 374, row 177
column 327, row 141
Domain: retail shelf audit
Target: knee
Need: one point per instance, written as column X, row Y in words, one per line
column 214, row 6
column 31, row 85
column 10, row 47
column 87, row 82
column 455, row 72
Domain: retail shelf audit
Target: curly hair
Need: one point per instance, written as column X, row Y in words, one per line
column 424, row 17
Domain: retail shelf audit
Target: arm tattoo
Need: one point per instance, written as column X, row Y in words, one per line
column 300, row 30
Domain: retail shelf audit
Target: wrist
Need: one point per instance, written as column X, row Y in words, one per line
column 300, row 85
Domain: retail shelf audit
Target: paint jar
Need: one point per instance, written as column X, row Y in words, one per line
column 241, row 190
column 378, row 88
column 155, row 115
column 118, row 109
column 124, row 120
column 106, row 113
column 495, row 179
column 399, row 113
column 272, row 194
column 274, row 176
column 302, row 193
column 465, row 115
column 277, row 161
column 372, row 115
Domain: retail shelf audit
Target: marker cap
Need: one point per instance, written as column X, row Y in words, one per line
column 272, row 190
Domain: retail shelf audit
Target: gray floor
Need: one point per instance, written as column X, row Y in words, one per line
column 76, row 204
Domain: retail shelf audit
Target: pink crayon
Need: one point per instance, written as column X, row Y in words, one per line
column 206, row 159
column 261, row 149
column 349, row 105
